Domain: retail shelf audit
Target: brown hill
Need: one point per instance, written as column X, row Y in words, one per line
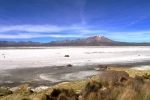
column 101, row 39
column 91, row 41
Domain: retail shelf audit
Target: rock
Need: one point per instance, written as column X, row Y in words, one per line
column 69, row 65
column 113, row 76
column 66, row 56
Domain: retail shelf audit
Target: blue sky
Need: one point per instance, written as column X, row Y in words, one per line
column 47, row 20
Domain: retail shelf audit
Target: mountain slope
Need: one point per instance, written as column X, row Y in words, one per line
column 101, row 39
column 91, row 41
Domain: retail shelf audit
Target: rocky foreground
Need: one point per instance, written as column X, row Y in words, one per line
column 115, row 83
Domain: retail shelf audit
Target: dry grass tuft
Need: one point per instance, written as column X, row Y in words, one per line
column 134, row 88
column 4, row 91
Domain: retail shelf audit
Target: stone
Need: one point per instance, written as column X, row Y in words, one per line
column 66, row 56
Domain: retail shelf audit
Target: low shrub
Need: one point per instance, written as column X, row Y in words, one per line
column 91, row 87
column 4, row 91
column 139, row 78
column 146, row 76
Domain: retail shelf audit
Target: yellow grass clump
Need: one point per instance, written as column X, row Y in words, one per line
column 135, row 88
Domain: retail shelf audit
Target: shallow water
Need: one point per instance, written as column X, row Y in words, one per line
column 45, row 76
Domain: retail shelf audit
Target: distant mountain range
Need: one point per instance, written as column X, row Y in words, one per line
column 91, row 41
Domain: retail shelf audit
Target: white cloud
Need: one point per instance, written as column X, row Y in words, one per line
column 26, row 36
column 37, row 31
column 33, row 31
column 37, row 28
column 134, row 36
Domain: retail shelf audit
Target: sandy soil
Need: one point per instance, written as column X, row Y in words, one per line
column 47, row 66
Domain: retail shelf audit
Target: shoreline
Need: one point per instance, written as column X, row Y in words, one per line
column 52, row 75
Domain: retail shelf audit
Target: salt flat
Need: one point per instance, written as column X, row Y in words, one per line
column 44, row 66
column 11, row 58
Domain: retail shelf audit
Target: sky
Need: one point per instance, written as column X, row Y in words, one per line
column 50, row 20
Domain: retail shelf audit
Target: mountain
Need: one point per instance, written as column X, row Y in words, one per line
column 94, row 41
column 91, row 41
column 100, row 39
column 21, row 43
